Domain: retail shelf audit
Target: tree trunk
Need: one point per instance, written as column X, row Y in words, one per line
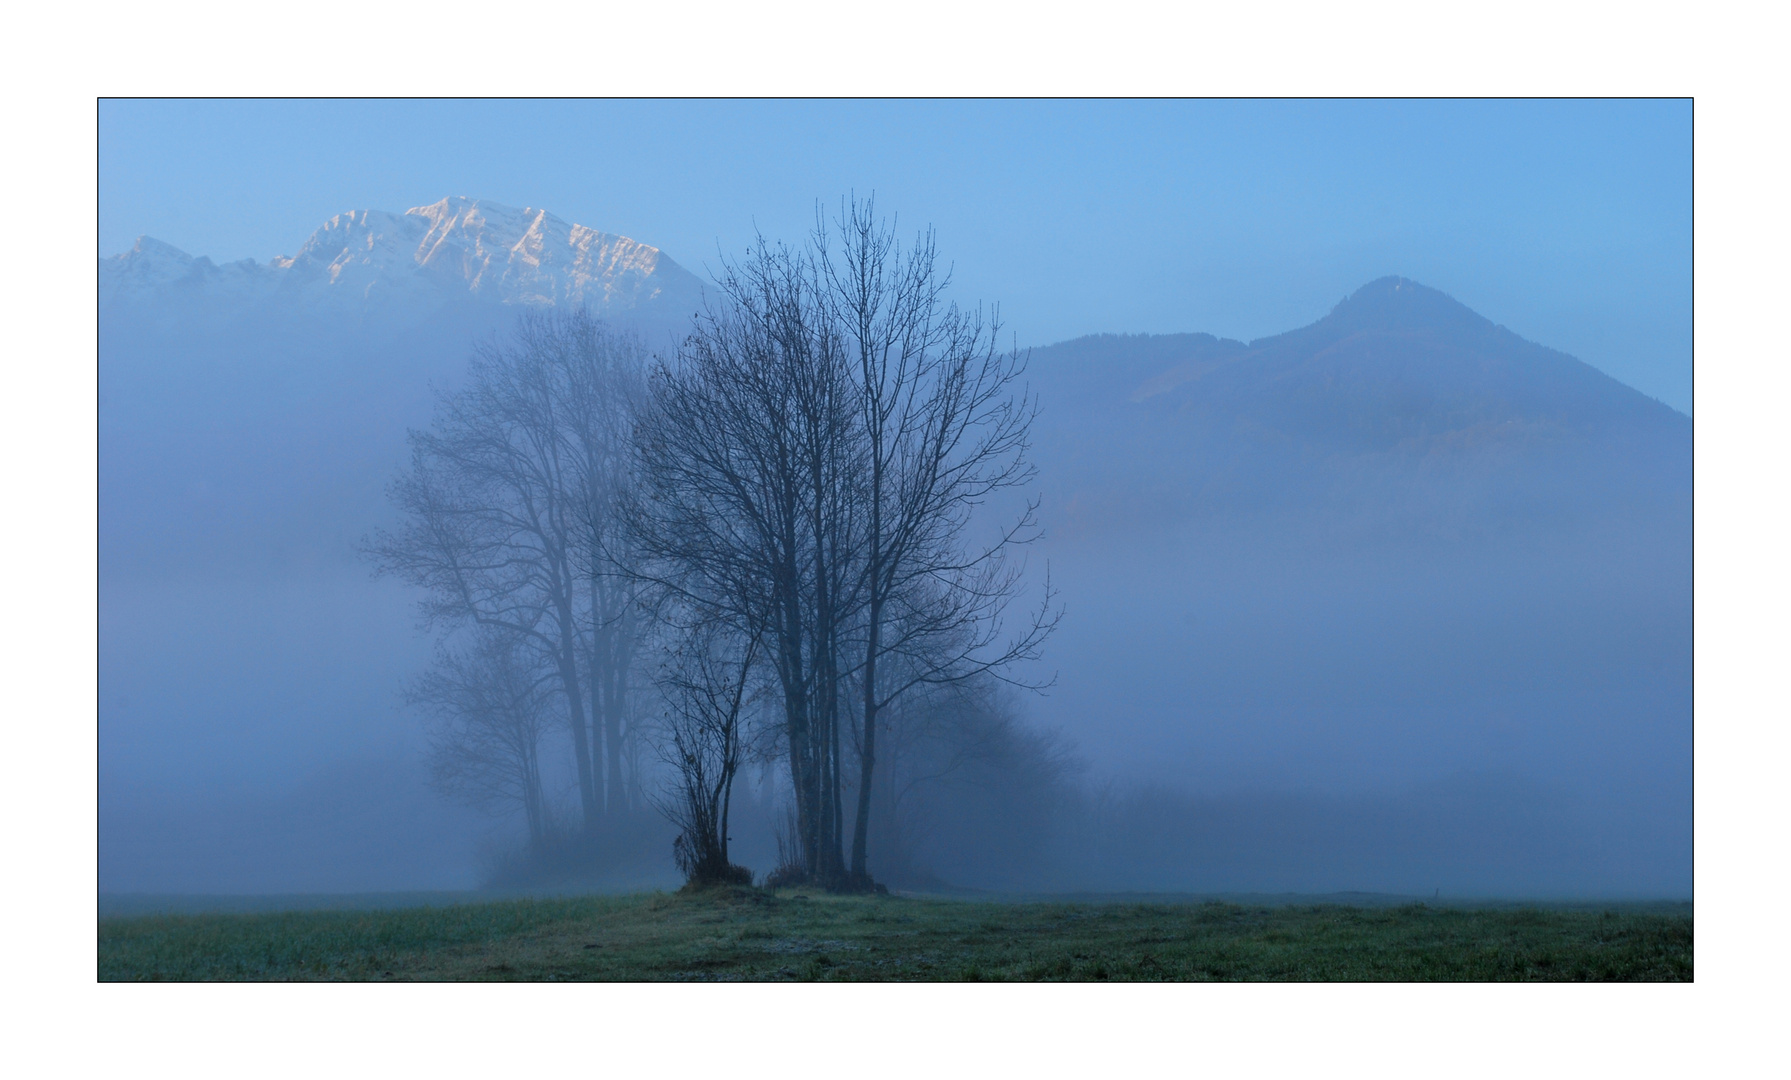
column 531, row 797
column 575, row 707
column 601, row 749
column 727, row 797
column 615, row 683
column 867, row 760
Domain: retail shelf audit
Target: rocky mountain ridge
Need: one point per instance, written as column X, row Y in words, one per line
column 452, row 251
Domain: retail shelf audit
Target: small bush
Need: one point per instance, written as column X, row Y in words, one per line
column 707, row 870
column 786, row 875
column 711, row 876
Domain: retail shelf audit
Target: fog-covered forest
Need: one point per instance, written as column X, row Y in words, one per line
column 429, row 564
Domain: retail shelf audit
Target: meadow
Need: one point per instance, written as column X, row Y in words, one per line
column 749, row 934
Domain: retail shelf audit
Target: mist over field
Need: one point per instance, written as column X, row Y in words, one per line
column 1394, row 601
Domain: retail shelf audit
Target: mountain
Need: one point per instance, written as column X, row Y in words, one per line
column 455, row 251
column 1397, row 549
column 256, row 411
column 1401, row 408
column 1396, row 365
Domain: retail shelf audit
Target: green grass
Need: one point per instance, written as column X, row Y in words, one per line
column 754, row 935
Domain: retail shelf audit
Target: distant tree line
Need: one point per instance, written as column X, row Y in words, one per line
column 757, row 547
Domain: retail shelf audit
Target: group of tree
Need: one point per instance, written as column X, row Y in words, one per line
column 510, row 524
column 776, row 518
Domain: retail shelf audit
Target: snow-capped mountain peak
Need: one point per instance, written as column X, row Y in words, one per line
column 458, row 248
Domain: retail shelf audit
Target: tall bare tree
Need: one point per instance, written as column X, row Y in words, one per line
column 605, row 377
column 943, row 428
column 508, row 512
column 809, row 464
column 747, row 475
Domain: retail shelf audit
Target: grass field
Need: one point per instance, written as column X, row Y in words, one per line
column 749, row 934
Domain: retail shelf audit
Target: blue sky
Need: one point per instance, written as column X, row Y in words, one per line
column 1569, row 222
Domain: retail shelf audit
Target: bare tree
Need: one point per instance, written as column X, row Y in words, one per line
column 705, row 684
column 748, row 475
column 508, row 508
column 490, row 703
column 605, row 379
column 942, row 431
column 810, row 464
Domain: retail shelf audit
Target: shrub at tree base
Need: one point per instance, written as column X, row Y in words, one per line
column 708, row 869
column 790, row 876
column 785, row 876
column 714, row 877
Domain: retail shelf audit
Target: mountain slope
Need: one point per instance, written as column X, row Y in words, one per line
column 1398, row 549
column 1400, row 405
